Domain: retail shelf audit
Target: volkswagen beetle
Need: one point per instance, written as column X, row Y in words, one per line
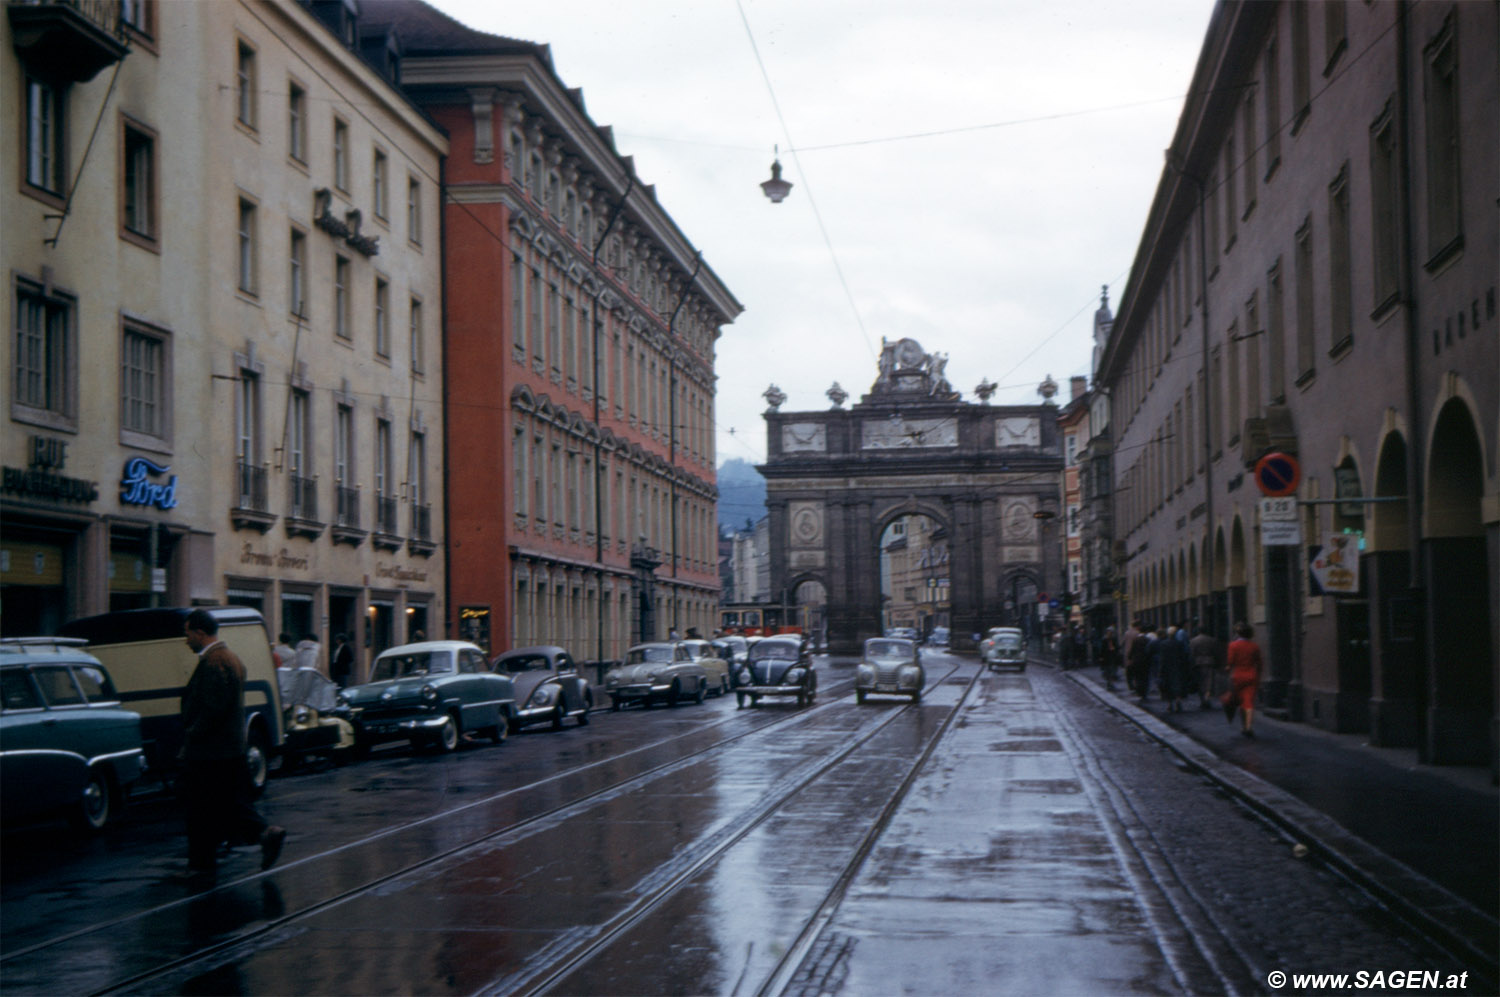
column 547, row 685
column 891, row 665
column 1005, row 647
column 657, row 672
column 431, row 694
column 777, row 666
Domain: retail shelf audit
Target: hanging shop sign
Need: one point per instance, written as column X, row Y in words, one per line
column 138, row 488
column 1335, row 565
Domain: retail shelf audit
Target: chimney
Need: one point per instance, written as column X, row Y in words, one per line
column 1079, row 383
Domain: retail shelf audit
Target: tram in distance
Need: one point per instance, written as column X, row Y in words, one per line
column 760, row 619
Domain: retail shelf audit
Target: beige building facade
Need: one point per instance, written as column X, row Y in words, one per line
column 225, row 274
column 1317, row 278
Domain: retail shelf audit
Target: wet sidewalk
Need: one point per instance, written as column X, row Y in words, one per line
column 1423, row 838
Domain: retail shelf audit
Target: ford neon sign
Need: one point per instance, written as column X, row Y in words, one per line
column 136, row 488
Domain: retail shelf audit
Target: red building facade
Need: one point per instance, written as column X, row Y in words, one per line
column 580, row 330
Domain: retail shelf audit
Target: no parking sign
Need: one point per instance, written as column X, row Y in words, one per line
column 1277, row 475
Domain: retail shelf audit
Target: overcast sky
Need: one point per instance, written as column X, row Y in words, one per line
column 988, row 241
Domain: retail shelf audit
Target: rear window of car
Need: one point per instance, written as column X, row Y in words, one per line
column 17, row 692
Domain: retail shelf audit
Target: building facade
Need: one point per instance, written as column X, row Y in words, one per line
column 580, row 335
column 1317, row 278
column 225, row 272
column 1101, row 593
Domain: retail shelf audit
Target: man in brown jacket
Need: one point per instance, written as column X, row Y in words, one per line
column 215, row 784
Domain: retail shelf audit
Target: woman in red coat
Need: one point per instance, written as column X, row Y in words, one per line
column 1245, row 666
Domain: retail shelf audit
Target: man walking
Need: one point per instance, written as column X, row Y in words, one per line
column 215, row 784
column 1208, row 659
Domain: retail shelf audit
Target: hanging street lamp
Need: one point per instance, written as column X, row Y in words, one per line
column 776, row 188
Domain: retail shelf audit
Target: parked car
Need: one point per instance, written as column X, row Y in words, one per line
column 431, row 694
column 778, row 666
column 66, row 744
column 732, row 648
column 316, row 723
column 890, row 665
column 938, row 637
column 150, row 663
column 657, row 672
column 714, row 663
column 1004, row 647
column 547, row 685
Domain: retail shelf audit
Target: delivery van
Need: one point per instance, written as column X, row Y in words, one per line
column 148, row 658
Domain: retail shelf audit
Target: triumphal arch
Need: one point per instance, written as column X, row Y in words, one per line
column 989, row 476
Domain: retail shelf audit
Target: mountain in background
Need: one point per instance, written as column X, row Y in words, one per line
column 742, row 494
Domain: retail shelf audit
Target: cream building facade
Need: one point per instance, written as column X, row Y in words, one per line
column 225, row 276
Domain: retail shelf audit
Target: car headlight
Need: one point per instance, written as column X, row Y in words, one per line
column 652, row 677
column 745, row 677
column 429, row 692
column 865, row 673
column 544, row 695
column 794, row 675
column 301, row 715
column 611, row 680
column 910, row 676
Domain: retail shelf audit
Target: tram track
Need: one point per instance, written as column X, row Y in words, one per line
column 164, row 965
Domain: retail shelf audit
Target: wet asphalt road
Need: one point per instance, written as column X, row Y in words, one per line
column 1007, row 835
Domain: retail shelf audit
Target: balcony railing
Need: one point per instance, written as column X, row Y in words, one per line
column 348, row 507
column 385, row 513
column 304, row 497
column 251, row 510
column 421, row 522
column 252, row 487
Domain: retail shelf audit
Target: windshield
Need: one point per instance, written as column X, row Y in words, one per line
column 657, row 654
column 395, row 666
column 887, row 649
column 767, row 650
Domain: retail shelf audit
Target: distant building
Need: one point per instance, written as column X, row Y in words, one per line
column 1100, row 592
column 581, row 326
column 1317, row 278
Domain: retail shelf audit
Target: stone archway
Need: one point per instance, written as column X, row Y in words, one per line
column 836, row 478
column 1459, row 573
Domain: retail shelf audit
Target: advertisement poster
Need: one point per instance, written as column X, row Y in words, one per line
column 1335, row 565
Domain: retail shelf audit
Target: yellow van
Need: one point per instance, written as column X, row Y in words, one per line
column 150, row 662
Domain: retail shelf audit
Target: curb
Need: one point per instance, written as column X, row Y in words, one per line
column 1427, row 907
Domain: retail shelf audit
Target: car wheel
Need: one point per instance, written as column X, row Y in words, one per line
column 614, row 704
column 446, row 739
column 916, row 696
column 859, row 695
column 93, row 810
column 583, row 718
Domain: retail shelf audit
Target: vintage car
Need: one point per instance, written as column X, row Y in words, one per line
column 1004, row 647
column 777, row 666
column 431, row 694
column 663, row 671
column 714, row 663
column 547, row 685
column 891, row 665
column 732, row 648
column 316, row 724
column 66, row 745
